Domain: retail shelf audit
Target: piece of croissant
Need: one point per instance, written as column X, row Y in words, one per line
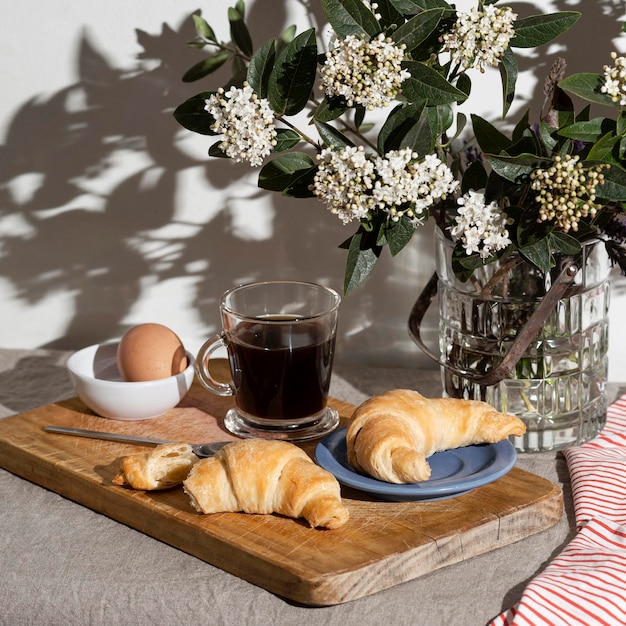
column 164, row 467
column 266, row 476
column 391, row 435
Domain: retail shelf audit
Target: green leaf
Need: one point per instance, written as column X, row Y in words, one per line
column 330, row 109
column 413, row 7
column 359, row 115
column 461, row 122
column 440, row 119
column 498, row 188
column 539, row 254
column 216, row 151
column 521, row 128
column 418, row 29
column 197, row 42
column 464, row 83
column 239, row 31
column 406, row 126
column 621, row 124
column 526, row 144
column 301, row 186
column 586, row 231
column 529, row 232
column 565, row 243
column 514, row 168
column 538, row 30
column 547, row 136
column 293, row 76
column 589, row 131
column 475, row 177
column 604, row 150
column 614, row 186
column 362, row 257
column 398, row 234
column 207, row 66
column 508, row 75
column 260, row 68
column 351, row 17
column 489, row 138
column 192, row 115
column 203, row 29
column 331, row 136
column 463, row 265
column 282, row 171
column 286, row 139
column 429, row 85
column 587, row 86
column 389, row 15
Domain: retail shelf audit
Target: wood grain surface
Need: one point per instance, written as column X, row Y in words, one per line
column 383, row 544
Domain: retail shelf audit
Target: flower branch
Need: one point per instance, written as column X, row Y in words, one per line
column 544, row 190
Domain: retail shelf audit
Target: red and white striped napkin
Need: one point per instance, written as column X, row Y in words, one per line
column 586, row 584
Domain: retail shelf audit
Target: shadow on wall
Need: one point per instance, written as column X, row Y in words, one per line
column 83, row 224
column 586, row 47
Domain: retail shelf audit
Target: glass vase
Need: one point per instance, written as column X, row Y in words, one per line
column 555, row 382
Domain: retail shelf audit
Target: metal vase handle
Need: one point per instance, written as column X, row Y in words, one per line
column 535, row 322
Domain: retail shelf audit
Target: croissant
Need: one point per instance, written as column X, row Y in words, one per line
column 391, row 435
column 266, row 476
column 164, row 467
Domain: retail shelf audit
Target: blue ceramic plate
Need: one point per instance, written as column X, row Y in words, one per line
column 454, row 472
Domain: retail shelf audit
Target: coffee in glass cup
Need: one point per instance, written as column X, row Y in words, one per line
column 280, row 339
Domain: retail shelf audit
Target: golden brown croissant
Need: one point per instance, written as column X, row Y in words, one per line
column 391, row 434
column 266, row 476
column 164, row 467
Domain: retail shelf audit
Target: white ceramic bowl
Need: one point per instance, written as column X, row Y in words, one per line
column 98, row 383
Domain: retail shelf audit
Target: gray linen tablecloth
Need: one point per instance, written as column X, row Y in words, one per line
column 62, row 563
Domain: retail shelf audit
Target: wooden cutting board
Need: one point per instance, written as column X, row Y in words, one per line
column 383, row 544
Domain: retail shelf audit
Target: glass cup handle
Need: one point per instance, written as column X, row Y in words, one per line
column 202, row 367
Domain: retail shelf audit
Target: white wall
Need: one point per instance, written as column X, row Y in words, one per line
column 112, row 215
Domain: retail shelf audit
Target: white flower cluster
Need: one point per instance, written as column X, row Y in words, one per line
column 353, row 183
column 615, row 80
column 480, row 38
column 364, row 72
column 246, row 121
column 567, row 191
column 481, row 227
column 344, row 180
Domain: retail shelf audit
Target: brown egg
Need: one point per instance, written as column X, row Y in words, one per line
column 150, row 352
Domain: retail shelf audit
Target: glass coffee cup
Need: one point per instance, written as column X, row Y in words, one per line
column 280, row 339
